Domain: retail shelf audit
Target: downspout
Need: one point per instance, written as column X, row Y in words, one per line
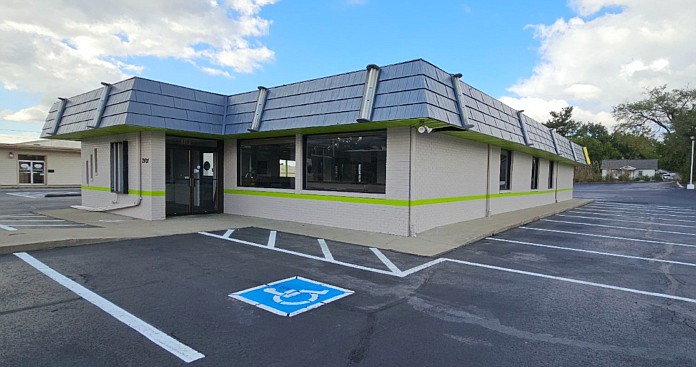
column 557, row 171
column 488, row 183
column 410, row 179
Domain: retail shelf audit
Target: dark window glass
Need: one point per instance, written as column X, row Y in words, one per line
column 119, row 167
column 535, row 173
column 347, row 162
column 551, row 164
column 505, row 164
column 267, row 163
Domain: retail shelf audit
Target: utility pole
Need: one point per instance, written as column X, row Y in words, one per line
column 690, row 186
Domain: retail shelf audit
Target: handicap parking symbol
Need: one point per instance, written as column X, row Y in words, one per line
column 292, row 296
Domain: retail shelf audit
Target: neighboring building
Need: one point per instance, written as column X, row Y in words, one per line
column 632, row 168
column 40, row 163
column 399, row 149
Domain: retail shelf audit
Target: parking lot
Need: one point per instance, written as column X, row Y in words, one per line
column 609, row 283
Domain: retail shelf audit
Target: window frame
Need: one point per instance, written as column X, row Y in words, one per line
column 287, row 140
column 552, row 170
column 505, row 185
column 371, row 133
column 119, row 167
column 535, row 173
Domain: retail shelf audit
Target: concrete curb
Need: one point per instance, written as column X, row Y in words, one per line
column 46, row 245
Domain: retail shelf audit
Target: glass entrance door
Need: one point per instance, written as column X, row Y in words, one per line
column 192, row 177
column 32, row 172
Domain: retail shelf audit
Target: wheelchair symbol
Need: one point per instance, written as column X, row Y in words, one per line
column 280, row 297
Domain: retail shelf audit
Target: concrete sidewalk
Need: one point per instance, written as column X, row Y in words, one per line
column 110, row 227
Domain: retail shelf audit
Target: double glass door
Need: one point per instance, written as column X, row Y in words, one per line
column 32, row 172
column 192, row 185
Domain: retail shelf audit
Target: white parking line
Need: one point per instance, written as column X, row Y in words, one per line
column 386, row 261
column 570, row 280
column 228, row 233
column 173, row 346
column 398, row 273
column 49, row 225
column 644, row 211
column 7, row 228
column 271, row 239
column 666, row 207
column 628, row 221
column 325, row 249
column 22, row 216
column 619, row 212
column 618, row 227
column 652, row 217
column 605, row 236
column 32, row 220
column 590, row 251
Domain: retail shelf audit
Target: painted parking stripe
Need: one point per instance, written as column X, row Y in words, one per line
column 173, row 346
column 618, row 227
column 385, row 260
column 667, row 207
column 49, row 225
column 590, row 251
column 624, row 220
column 32, row 220
column 618, row 212
column 644, row 211
column 290, row 252
column 228, row 233
column 396, row 272
column 22, row 216
column 7, row 228
column 325, row 249
column 576, row 281
column 652, row 217
column 272, row 239
column 609, row 237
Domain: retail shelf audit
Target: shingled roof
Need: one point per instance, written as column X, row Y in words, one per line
column 405, row 94
column 610, row 164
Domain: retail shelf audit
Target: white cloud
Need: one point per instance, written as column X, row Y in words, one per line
column 608, row 54
column 29, row 114
column 61, row 48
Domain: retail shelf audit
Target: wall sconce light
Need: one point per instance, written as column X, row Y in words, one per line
column 10, row 155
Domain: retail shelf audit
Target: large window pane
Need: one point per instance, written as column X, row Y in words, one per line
column 505, row 164
column 535, row 173
column 346, row 162
column 267, row 163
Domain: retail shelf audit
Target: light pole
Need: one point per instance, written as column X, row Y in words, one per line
column 690, row 186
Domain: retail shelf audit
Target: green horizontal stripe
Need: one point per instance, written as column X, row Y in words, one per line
column 345, row 199
column 378, row 201
column 130, row 192
column 96, row 188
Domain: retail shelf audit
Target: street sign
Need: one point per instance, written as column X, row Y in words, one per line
column 292, row 296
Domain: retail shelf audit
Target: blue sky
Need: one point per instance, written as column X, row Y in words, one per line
column 534, row 55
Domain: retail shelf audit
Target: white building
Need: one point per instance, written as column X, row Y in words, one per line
column 630, row 168
column 399, row 149
column 40, row 163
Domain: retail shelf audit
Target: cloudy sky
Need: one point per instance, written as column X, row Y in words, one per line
column 534, row 55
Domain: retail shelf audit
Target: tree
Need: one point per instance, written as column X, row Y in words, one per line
column 676, row 155
column 563, row 122
column 596, row 138
column 658, row 110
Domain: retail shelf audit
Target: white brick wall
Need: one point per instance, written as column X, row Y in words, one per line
column 153, row 174
column 368, row 217
column 447, row 167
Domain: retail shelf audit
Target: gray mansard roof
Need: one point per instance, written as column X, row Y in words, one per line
column 404, row 94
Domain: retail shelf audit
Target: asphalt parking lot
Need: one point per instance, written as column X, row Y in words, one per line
column 607, row 284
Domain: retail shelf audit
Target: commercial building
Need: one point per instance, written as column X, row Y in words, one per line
column 40, row 163
column 398, row 149
column 629, row 168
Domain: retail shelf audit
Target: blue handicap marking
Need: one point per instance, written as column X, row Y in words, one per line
column 292, row 296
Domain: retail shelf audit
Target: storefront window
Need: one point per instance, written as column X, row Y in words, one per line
column 346, row 162
column 267, row 163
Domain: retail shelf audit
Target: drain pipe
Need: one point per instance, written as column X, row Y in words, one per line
column 410, row 179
